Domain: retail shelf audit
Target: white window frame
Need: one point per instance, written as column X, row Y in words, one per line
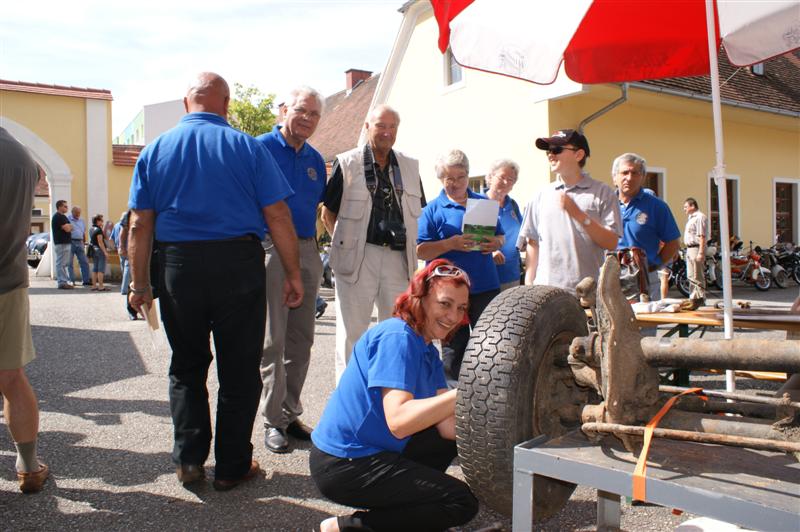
column 737, row 203
column 447, row 85
column 662, row 179
column 796, row 220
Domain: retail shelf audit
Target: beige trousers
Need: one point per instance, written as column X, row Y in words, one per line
column 383, row 277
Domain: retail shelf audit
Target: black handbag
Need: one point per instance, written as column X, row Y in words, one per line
column 89, row 251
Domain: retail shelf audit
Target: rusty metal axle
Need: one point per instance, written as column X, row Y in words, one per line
column 741, row 353
column 774, row 401
column 699, row 437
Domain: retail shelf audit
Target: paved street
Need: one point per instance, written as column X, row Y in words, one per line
column 106, row 433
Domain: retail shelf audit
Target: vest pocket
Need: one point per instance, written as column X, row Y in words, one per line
column 344, row 255
column 414, row 204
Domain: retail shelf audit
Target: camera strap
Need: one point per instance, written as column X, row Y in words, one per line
column 371, row 178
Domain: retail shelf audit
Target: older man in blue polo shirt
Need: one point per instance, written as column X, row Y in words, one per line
column 78, row 236
column 290, row 332
column 205, row 191
column 647, row 221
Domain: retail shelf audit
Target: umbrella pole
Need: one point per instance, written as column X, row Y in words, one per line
column 719, row 179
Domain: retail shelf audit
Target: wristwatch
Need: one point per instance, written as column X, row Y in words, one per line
column 138, row 291
column 587, row 221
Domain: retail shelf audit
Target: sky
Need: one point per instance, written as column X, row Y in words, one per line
column 149, row 51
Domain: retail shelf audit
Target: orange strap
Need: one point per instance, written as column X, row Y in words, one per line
column 639, row 489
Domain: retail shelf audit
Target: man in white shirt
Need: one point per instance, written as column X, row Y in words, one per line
column 570, row 222
column 695, row 237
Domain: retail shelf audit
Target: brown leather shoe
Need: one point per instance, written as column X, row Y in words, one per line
column 189, row 473
column 34, row 481
column 225, row 485
column 298, row 429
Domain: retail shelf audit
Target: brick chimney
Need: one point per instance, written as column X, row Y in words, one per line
column 354, row 76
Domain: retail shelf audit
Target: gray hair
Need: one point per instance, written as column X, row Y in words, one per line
column 500, row 164
column 378, row 110
column 451, row 158
column 636, row 160
column 303, row 91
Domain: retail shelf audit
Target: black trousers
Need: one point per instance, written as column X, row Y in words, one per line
column 214, row 288
column 453, row 352
column 407, row 491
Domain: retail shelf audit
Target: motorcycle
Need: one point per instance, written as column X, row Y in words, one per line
column 789, row 259
column 711, row 269
column 747, row 268
column 769, row 259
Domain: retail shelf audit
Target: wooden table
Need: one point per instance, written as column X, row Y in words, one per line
column 711, row 318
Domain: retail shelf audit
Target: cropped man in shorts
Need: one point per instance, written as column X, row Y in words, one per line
column 18, row 176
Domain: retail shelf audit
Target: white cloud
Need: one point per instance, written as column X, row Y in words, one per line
column 148, row 51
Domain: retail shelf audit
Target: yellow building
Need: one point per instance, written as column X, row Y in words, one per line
column 668, row 122
column 68, row 131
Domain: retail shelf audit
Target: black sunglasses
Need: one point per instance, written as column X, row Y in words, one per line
column 555, row 150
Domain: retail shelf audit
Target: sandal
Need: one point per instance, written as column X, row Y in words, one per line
column 104, row 289
column 95, row 289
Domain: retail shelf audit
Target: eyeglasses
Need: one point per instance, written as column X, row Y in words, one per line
column 446, row 270
column 555, row 150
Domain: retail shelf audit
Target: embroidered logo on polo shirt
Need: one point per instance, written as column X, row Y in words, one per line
column 641, row 218
column 312, row 173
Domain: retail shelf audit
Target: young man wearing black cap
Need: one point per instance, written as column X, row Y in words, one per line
column 570, row 222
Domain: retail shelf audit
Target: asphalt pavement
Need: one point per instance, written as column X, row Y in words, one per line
column 106, row 433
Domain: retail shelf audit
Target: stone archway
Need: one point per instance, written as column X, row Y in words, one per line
column 58, row 175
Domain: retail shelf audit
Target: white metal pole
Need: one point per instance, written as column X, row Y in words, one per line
column 719, row 179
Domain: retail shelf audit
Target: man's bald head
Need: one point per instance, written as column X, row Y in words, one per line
column 209, row 93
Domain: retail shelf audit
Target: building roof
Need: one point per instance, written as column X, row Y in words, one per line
column 125, row 154
column 778, row 89
column 341, row 124
column 55, row 90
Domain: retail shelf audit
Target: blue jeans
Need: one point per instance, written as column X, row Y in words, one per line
column 126, row 275
column 77, row 250
column 62, row 263
column 99, row 260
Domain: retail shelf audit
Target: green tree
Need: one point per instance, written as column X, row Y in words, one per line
column 250, row 111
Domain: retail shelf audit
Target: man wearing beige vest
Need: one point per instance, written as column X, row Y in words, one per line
column 372, row 203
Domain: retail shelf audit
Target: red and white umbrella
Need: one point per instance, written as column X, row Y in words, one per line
column 605, row 41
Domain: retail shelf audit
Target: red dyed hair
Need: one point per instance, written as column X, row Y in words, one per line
column 408, row 305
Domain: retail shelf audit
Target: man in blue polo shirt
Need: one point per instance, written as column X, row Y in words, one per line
column 204, row 191
column 647, row 221
column 290, row 332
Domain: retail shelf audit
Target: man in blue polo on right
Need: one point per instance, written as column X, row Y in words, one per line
column 647, row 221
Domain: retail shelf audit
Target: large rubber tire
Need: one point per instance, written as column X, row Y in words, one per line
column 515, row 384
column 763, row 282
column 682, row 283
column 796, row 273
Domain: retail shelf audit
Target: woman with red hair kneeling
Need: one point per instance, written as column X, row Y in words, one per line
column 388, row 432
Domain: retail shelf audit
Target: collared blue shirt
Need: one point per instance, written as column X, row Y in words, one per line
column 510, row 221
column 389, row 355
column 78, row 227
column 441, row 219
column 206, row 181
column 306, row 174
column 646, row 222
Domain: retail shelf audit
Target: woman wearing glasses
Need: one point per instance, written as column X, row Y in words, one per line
column 387, row 434
column 500, row 181
column 439, row 235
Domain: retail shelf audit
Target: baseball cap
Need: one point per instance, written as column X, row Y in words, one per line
column 562, row 137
